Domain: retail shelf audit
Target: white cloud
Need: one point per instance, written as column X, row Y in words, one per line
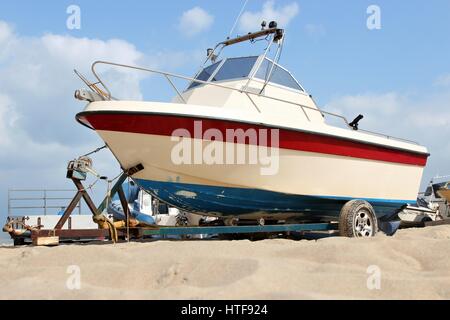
column 251, row 21
column 315, row 30
column 8, row 119
column 5, row 32
column 37, row 76
column 385, row 104
column 38, row 131
column 6, row 36
column 443, row 81
column 194, row 21
column 420, row 117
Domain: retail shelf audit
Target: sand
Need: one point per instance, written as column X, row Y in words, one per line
column 414, row 264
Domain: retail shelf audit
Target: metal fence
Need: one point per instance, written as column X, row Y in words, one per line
column 39, row 202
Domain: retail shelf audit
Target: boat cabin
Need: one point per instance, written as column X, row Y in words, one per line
column 253, row 83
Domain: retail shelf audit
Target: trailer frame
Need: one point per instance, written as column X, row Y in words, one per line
column 138, row 233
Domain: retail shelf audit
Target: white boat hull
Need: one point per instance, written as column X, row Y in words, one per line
column 311, row 179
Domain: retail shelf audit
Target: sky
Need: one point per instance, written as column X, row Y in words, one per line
column 397, row 75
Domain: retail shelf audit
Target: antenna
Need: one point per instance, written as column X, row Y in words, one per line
column 238, row 18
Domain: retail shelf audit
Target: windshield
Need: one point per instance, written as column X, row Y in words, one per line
column 205, row 74
column 279, row 75
column 233, row 68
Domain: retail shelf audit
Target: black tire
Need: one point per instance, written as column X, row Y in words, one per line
column 19, row 242
column 351, row 217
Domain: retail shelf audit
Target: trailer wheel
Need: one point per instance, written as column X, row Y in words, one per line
column 358, row 220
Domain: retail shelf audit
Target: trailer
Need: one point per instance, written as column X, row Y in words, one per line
column 357, row 219
column 23, row 232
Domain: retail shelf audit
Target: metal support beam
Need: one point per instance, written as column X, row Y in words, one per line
column 86, row 196
column 254, row 36
column 124, row 203
column 240, row 229
column 81, row 193
column 68, row 211
column 114, row 190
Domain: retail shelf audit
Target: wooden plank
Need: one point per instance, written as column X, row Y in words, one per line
column 46, row 241
column 72, row 234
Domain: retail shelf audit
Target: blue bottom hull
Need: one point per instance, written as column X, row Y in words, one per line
column 238, row 202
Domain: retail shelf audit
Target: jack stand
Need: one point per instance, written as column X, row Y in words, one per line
column 77, row 176
column 126, row 211
column 81, row 193
column 77, row 172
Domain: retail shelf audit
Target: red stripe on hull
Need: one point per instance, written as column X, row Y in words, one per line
column 289, row 139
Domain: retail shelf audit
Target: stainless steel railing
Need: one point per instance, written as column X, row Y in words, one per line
column 169, row 77
column 106, row 94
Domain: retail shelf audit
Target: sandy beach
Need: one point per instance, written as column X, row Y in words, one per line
column 414, row 264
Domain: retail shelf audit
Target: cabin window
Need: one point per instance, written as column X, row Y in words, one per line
column 279, row 75
column 205, row 74
column 235, row 68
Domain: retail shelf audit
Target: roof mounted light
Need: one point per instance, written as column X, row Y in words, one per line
column 210, row 54
column 278, row 35
column 273, row 24
column 263, row 25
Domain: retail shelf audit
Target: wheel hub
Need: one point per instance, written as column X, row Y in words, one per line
column 363, row 225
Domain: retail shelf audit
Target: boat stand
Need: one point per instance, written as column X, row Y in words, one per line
column 79, row 234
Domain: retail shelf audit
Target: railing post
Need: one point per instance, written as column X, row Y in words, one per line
column 252, row 101
column 9, row 202
column 175, row 88
column 45, row 202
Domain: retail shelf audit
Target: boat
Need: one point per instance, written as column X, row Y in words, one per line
column 444, row 192
column 431, row 205
column 245, row 141
column 413, row 215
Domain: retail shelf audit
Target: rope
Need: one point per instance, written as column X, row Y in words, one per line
column 89, row 188
column 238, row 18
column 104, row 223
column 95, row 151
column 129, row 212
column 118, row 176
column 102, row 220
column 9, row 227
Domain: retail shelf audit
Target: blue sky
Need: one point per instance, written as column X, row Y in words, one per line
column 398, row 76
column 411, row 47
